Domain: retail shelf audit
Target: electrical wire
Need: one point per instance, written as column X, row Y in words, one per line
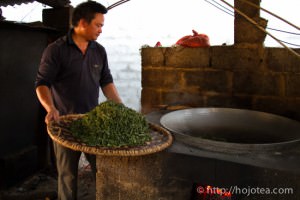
column 218, row 6
column 297, row 45
column 224, row 9
column 267, row 11
column 231, row 13
column 274, row 29
column 260, row 27
column 259, row 7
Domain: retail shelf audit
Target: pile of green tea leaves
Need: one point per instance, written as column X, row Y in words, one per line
column 111, row 125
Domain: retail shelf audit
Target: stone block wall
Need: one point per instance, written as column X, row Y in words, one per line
column 257, row 78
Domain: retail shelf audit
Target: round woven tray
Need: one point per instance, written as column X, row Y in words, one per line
column 59, row 132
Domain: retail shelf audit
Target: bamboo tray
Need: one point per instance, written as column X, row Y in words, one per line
column 59, row 132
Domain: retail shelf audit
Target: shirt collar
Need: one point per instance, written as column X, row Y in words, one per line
column 69, row 36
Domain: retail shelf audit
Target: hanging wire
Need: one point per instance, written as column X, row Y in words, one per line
column 274, row 29
column 259, row 7
column 221, row 7
column 297, row 45
column 231, row 13
column 260, row 28
column 218, row 6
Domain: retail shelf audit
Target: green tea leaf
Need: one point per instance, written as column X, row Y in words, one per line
column 112, row 125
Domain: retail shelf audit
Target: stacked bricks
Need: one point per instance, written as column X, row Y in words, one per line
column 264, row 79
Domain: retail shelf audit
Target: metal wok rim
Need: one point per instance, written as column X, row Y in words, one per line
column 234, row 147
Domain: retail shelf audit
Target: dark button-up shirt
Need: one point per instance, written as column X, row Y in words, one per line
column 74, row 78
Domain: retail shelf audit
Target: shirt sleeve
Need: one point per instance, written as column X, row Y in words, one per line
column 49, row 66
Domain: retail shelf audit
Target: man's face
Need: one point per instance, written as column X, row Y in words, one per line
column 93, row 29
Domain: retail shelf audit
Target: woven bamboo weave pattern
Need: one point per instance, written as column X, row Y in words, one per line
column 59, row 132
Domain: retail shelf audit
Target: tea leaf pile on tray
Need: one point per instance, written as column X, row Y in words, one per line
column 111, row 125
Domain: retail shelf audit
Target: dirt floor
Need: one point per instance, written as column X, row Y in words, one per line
column 43, row 185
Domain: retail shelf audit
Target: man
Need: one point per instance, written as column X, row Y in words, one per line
column 71, row 71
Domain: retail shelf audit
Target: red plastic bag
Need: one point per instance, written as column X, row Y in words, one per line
column 196, row 40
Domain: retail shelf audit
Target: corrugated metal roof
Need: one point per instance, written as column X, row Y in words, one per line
column 51, row 3
column 14, row 2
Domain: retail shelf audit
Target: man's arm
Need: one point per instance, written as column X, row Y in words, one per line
column 45, row 97
column 111, row 93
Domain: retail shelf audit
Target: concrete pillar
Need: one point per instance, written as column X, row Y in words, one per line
column 244, row 31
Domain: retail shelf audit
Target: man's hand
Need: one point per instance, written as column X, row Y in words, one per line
column 45, row 97
column 111, row 93
column 53, row 114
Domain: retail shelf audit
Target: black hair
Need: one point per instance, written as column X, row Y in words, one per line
column 87, row 11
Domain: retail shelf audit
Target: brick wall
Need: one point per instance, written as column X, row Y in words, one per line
column 265, row 79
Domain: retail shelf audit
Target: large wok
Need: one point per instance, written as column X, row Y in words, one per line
column 232, row 130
